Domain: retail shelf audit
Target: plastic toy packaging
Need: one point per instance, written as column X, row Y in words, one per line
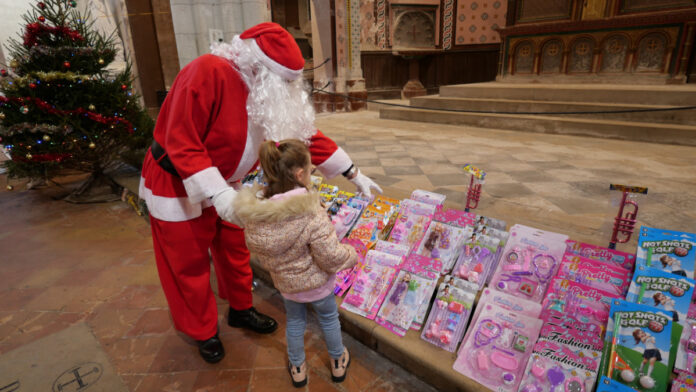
column 623, row 259
column 529, row 262
column 662, row 290
column 640, row 347
column 421, row 263
column 412, row 287
column 383, row 258
column 476, row 262
column 369, row 289
column 606, row 384
column 671, row 251
column 595, row 273
column 482, row 221
column 496, row 351
column 422, row 196
column 442, row 241
column 391, row 248
column 448, row 317
column 454, row 217
column 345, row 278
column 409, row 228
column 685, row 382
column 410, row 206
column 344, row 219
column 554, row 367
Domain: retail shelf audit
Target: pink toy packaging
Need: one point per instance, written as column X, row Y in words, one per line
column 625, row 260
column 475, row 262
column 345, row 278
column 554, row 367
column 482, row 221
column 422, row 196
column 496, row 351
column 594, row 273
column 448, row 317
column 529, row 261
column 560, row 287
column 344, row 220
column 410, row 206
column 442, row 241
column 409, row 229
column 376, row 257
column 369, row 289
column 391, row 248
column 412, row 287
column 455, row 217
column 416, row 261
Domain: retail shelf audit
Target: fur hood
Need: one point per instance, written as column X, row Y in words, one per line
column 250, row 206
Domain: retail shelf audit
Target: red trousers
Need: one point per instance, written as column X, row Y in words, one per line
column 183, row 263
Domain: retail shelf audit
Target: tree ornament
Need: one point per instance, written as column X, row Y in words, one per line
column 42, row 19
column 73, row 3
column 29, row 156
column 66, row 64
column 124, row 87
column 14, row 63
column 9, row 187
column 92, row 145
column 91, row 108
column 3, row 72
column 46, row 138
column 24, row 110
column 2, row 116
column 100, row 61
column 41, row 5
column 32, row 85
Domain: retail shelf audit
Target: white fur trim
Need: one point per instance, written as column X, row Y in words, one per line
column 276, row 67
column 170, row 209
column 336, row 164
column 204, row 184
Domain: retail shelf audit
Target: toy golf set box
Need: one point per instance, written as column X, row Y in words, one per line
column 671, row 251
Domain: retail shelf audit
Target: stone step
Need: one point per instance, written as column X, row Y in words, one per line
column 518, row 105
column 627, row 130
column 678, row 95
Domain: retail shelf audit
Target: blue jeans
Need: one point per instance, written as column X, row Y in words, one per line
column 327, row 313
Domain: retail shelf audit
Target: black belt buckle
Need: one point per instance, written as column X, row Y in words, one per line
column 162, row 158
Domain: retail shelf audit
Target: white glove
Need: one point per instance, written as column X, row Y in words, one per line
column 223, row 202
column 365, row 184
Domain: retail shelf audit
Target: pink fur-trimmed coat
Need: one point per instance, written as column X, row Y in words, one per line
column 293, row 239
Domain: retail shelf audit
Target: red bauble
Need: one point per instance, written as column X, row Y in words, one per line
column 32, row 85
column 41, row 5
column 42, row 19
column 124, row 87
column 3, row 72
column 66, row 64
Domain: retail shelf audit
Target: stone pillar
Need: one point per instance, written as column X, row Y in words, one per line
column 355, row 83
column 413, row 88
column 322, row 47
column 184, row 30
column 162, row 14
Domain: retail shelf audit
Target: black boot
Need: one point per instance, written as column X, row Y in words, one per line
column 211, row 349
column 251, row 319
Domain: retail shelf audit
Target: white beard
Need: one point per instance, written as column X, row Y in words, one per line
column 277, row 108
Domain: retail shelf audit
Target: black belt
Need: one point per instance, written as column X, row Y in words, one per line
column 162, row 158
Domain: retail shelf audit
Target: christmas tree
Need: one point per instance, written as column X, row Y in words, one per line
column 61, row 108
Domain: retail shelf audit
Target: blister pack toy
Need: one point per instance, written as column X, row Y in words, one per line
column 454, row 217
column 671, row 251
column 409, row 228
column 345, row 278
column 606, row 384
column 412, row 287
column 638, row 353
column 409, row 206
column 662, row 290
column 376, row 257
column 391, row 248
column 443, row 242
column 560, row 288
column 496, row 351
column 623, row 259
column 475, row 263
column 433, row 198
column 483, row 221
column 554, row 367
column 595, row 273
column 529, row 262
column 416, row 262
column 369, row 289
column 344, row 219
column 448, row 317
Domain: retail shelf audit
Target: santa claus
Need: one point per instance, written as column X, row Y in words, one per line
column 218, row 111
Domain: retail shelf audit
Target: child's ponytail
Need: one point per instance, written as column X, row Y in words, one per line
column 279, row 162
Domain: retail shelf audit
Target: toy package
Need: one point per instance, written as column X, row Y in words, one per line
column 344, row 219
column 383, row 258
column 345, row 278
column 639, row 350
column 448, row 317
column 685, row 382
column 476, row 262
column 496, row 351
column 559, row 288
column 454, row 217
column 409, row 228
column 443, row 242
column 423, row 263
column 625, row 260
column 595, row 273
column 373, row 219
column 662, row 290
column 671, row 251
column 554, row 367
column 426, row 197
column 529, row 262
column 606, row 384
column 412, row 287
column 482, row 221
column 391, row 248
column 369, row 289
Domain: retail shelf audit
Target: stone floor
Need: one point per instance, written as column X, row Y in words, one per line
column 64, row 263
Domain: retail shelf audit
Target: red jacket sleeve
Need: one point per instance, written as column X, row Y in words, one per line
column 330, row 159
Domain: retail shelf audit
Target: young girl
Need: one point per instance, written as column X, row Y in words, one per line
column 651, row 354
column 667, row 304
column 292, row 236
column 674, row 263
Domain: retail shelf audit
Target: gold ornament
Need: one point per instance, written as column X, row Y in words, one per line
column 29, row 156
column 91, row 107
column 100, row 61
column 46, row 138
column 14, row 64
column 28, row 147
column 2, row 116
column 10, row 187
column 92, row 145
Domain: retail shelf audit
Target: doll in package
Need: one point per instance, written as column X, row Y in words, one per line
column 496, row 351
column 448, row 317
column 369, row 288
column 670, row 251
column 442, row 241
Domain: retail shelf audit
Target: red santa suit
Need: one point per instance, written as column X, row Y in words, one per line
column 203, row 127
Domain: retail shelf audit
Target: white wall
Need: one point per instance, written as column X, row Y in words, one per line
column 194, row 18
column 11, row 12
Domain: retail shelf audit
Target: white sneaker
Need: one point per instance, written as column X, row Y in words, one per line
column 339, row 367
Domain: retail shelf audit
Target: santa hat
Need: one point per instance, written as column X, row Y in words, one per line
column 275, row 48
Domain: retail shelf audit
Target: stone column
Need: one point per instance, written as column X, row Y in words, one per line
column 184, row 30
column 355, row 83
column 322, row 47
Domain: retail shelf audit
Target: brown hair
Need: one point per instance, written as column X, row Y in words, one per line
column 636, row 336
column 279, row 162
column 656, row 297
column 664, row 259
